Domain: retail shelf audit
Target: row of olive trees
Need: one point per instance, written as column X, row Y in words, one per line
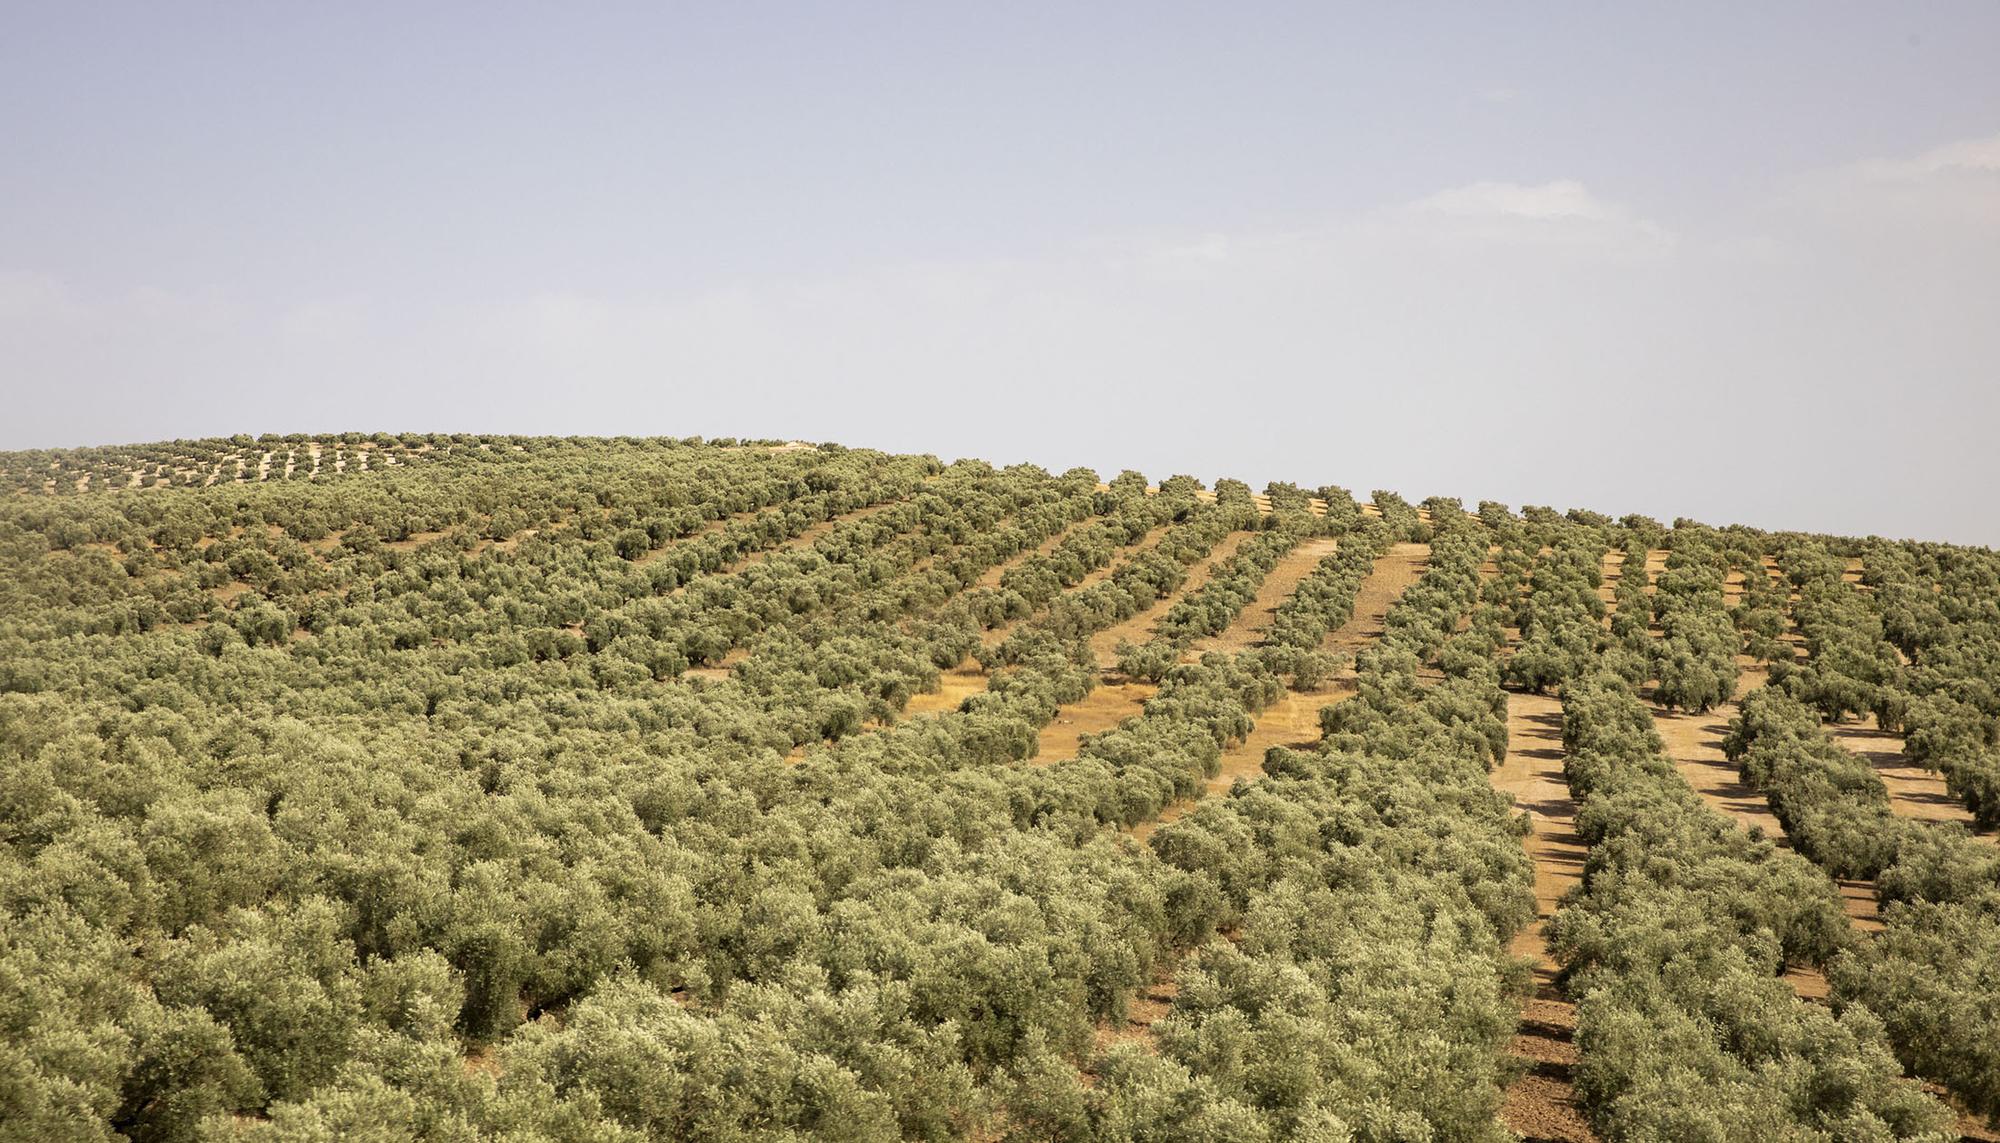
column 1694, row 658
column 538, row 830
column 1928, row 974
column 1940, row 893
column 189, row 463
column 1561, row 613
column 1673, row 947
column 455, row 864
column 1935, row 604
column 1366, row 992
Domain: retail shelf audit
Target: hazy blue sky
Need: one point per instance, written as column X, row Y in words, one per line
column 1740, row 262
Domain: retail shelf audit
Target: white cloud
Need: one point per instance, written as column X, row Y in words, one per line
column 22, row 291
column 1564, row 198
column 1453, row 343
column 1977, row 157
column 1563, row 213
column 1944, row 197
column 1205, row 248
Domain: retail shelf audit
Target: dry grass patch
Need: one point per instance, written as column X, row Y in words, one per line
column 722, row 667
column 1108, row 704
column 954, row 687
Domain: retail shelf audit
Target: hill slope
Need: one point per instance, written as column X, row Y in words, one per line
column 452, row 787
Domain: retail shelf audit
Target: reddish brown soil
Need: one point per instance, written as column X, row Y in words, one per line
column 1541, row 1105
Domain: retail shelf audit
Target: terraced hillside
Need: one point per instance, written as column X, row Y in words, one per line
column 465, row 787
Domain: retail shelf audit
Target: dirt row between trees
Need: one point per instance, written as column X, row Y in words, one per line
column 1291, row 721
column 727, row 664
column 1541, row 1104
column 1610, row 575
column 968, row 678
column 990, row 578
column 1253, row 624
column 1914, row 792
column 1694, row 745
column 1314, row 504
column 723, row 667
column 1294, row 719
column 1399, row 567
column 1116, row 697
column 807, row 538
column 1694, row 742
column 653, row 555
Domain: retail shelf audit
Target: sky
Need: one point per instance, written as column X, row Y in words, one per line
column 1734, row 262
